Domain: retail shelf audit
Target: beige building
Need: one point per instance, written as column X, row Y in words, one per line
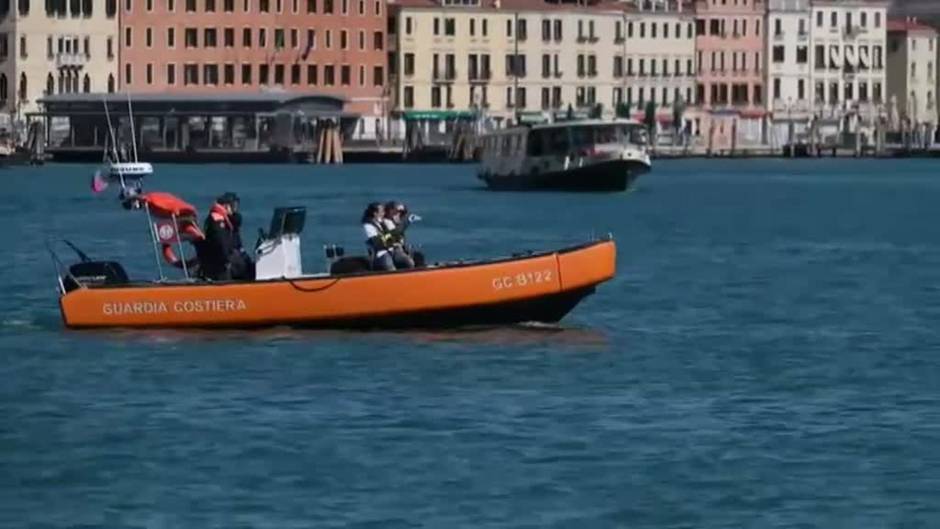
column 509, row 56
column 912, row 81
column 55, row 46
column 848, row 55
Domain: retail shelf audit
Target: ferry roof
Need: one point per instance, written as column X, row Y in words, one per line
column 571, row 123
column 320, row 105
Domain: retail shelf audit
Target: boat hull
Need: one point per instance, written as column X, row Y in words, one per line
column 539, row 288
column 610, row 175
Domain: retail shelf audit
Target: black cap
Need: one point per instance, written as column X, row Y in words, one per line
column 227, row 198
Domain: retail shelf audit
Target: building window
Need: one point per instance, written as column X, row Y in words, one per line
column 23, row 52
column 279, row 74
column 228, row 37
column 210, row 74
column 190, row 6
column 149, row 73
column 246, row 37
column 345, row 75
column 378, row 42
column 127, row 37
column 246, row 74
column 778, row 54
column 110, row 48
column 312, row 74
column 228, row 74
column 408, row 65
column 295, row 74
column 170, row 37
column 191, row 38
column 210, row 6
column 148, row 37
column 262, row 38
column 409, row 97
column 228, row 6
column 190, row 74
column 329, row 75
column 171, row 74
column 127, row 74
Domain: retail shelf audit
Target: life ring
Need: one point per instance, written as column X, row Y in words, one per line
column 169, row 255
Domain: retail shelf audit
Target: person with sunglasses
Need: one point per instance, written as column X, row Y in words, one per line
column 396, row 221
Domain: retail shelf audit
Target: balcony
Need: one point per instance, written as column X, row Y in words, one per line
column 445, row 76
column 854, row 31
column 480, row 77
column 70, row 60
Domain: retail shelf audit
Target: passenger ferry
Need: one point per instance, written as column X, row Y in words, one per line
column 588, row 155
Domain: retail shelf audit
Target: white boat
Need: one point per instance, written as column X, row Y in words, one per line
column 121, row 164
column 586, row 155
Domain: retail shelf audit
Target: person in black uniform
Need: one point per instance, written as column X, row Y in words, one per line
column 243, row 267
column 223, row 257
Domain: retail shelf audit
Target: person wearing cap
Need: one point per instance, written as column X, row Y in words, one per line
column 220, row 259
column 395, row 223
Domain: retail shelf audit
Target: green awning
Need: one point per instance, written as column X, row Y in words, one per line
column 437, row 115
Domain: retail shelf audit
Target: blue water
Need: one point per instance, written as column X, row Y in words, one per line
column 767, row 356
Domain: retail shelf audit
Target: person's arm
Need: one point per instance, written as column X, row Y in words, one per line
column 375, row 237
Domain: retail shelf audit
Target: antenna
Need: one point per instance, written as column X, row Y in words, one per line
column 130, row 114
column 114, row 150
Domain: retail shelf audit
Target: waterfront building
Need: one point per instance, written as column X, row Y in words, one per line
column 847, row 39
column 55, row 47
column 788, row 69
column 911, row 75
column 508, row 59
column 329, row 47
column 730, row 60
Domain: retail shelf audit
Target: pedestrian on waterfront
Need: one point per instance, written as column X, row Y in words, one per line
column 378, row 240
column 396, row 222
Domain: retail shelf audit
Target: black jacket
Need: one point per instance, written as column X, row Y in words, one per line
column 217, row 248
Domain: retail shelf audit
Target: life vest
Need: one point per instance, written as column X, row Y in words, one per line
column 219, row 214
column 381, row 246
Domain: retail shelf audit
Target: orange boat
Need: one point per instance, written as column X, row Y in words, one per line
column 536, row 287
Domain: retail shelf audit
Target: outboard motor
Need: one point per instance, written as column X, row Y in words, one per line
column 94, row 273
column 277, row 254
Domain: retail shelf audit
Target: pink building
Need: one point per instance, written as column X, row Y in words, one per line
column 730, row 79
column 331, row 47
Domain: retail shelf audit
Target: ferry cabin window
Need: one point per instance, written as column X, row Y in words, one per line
column 536, row 143
column 581, row 137
column 605, row 134
column 558, row 140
